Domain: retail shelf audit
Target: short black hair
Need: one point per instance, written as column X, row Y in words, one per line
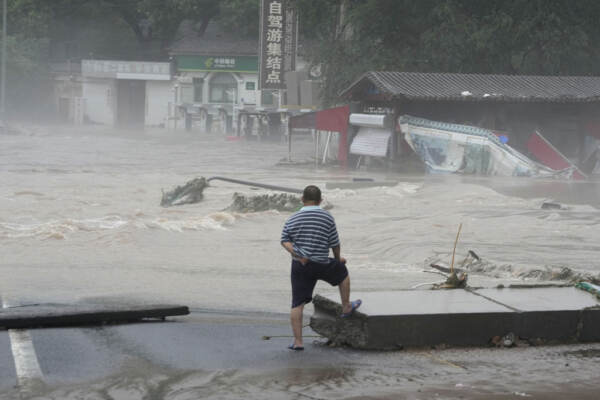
column 311, row 193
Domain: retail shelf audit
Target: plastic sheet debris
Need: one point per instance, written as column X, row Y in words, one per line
column 589, row 287
column 453, row 148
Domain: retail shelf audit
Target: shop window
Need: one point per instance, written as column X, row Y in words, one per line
column 267, row 97
column 223, row 88
column 250, row 85
column 198, row 86
column 187, row 94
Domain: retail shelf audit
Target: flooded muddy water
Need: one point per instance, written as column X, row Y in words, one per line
column 80, row 218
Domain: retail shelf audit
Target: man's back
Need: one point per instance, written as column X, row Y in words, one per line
column 313, row 232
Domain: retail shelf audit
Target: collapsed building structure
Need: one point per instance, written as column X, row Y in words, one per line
column 563, row 109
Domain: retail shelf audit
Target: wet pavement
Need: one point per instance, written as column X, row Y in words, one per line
column 224, row 356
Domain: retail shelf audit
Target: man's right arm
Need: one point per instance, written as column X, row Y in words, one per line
column 290, row 248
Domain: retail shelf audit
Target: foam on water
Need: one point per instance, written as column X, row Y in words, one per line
column 73, row 198
column 59, row 229
column 62, row 229
column 215, row 221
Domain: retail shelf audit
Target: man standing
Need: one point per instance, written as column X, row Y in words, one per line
column 308, row 235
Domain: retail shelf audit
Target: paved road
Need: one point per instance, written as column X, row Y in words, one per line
column 210, row 355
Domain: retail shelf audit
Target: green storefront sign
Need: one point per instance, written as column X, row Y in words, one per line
column 217, row 63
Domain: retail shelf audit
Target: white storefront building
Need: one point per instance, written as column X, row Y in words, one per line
column 126, row 93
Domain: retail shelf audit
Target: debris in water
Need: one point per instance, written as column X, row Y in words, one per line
column 547, row 205
column 189, row 193
column 277, row 201
column 473, row 264
column 264, row 202
column 454, row 281
column 192, row 192
column 589, row 287
column 471, row 253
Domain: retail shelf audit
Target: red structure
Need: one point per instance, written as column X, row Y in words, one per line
column 331, row 119
column 550, row 156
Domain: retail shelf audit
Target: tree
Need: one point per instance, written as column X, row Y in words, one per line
column 470, row 36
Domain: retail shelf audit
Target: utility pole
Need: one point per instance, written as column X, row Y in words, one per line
column 3, row 76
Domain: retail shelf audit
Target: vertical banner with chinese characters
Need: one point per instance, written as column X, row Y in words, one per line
column 290, row 37
column 277, row 43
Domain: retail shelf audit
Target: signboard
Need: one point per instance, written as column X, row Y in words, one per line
column 371, row 142
column 217, row 63
column 290, row 38
column 278, row 39
column 158, row 71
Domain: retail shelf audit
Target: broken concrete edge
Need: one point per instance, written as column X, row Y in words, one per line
column 326, row 321
column 27, row 318
column 334, row 308
column 358, row 335
column 418, row 331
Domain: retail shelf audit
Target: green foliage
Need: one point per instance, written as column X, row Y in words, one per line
column 25, row 56
column 240, row 16
column 347, row 37
column 44, row 31
column 470, row 36
column 26, row 70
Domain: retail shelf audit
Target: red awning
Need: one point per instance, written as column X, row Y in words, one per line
column 331, row 119
column 304, row 121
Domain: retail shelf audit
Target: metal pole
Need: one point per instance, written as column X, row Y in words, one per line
column 3, row 77
column 262, row 185
column 316, row 136
column 326, row 147
column 289, row 132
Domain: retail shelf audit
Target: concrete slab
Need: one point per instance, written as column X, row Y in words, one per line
column 389, row 320
column 542, row 299
column 421, row 302
column 42, row 315
column 555, row 314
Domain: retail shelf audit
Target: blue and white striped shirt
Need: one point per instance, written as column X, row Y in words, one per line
column 312, row 232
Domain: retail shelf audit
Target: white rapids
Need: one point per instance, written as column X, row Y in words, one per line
column 80, row 218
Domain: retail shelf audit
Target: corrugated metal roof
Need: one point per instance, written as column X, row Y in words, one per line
column 479, row 87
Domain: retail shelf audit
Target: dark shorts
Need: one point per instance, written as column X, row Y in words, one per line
column 305, row 277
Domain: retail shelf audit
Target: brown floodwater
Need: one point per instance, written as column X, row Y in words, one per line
column 80, row 220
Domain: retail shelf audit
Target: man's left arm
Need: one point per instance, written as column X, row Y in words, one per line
column 334, row 243
column 337, row 254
